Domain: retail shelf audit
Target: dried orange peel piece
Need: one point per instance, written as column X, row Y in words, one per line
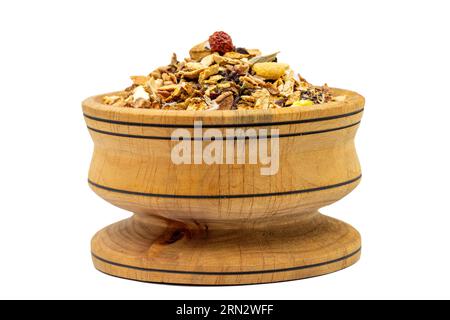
column 270, row 70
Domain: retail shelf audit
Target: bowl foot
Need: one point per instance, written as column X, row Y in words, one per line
column 155, row 250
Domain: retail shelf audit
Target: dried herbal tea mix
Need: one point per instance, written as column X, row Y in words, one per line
column 220, row 76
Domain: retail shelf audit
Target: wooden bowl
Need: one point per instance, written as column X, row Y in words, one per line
column 223, row 224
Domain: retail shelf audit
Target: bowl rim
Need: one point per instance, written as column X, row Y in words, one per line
column 94, row 108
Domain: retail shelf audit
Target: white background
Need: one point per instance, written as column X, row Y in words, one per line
column 53, row 54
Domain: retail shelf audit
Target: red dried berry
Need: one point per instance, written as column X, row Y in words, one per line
column 221, row 42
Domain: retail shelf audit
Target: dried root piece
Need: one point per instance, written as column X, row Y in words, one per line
column 196, row 104
column 210, row 71
column 140, row 93
column 225, row 101
column 208, row 60
column 200, row 51
column 111, row 99
column 262, row 99
column 213, row 79
column 139, row 80
column 235, row 55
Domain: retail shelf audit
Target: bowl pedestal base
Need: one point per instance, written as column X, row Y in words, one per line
column 151, row 249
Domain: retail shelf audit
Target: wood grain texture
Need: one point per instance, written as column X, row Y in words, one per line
column 224, row 224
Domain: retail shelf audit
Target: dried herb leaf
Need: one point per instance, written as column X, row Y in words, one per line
column 267, row 58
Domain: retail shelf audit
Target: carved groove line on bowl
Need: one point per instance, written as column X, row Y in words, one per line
column 235, row 138
column 232, row 196
column 230, row 273
column 232, row 125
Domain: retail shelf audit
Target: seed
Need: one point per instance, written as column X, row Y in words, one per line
column 241, row 50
